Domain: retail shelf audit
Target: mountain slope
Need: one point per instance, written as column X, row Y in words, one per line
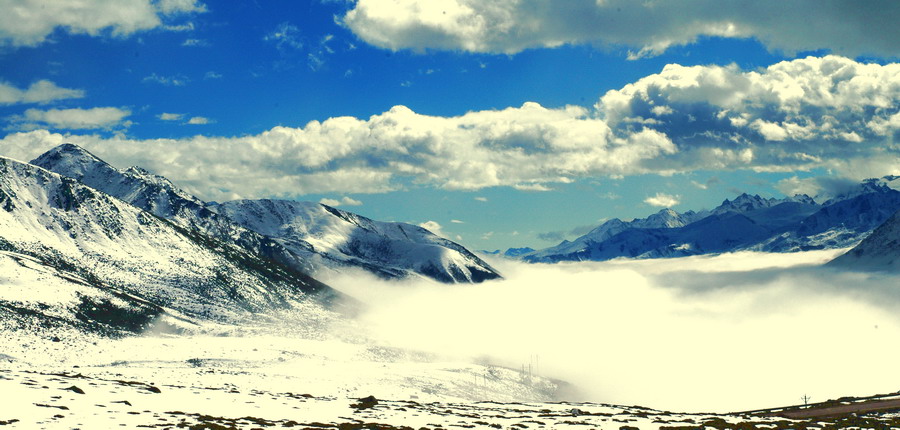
column 879, row 251
column 390, row 249
column 112, row 246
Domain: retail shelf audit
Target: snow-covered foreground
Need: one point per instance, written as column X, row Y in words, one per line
column 724, row 333
column 225, row 394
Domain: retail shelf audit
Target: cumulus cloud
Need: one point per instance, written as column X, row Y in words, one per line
column 800, row 114
column 835, row 114
column 169, row 81
column 170, row 7
column 662, row 200
column 31, row 22
column 821, row 188
column 72, row 119
column 42, row 91
column 648, row 28
column 199, row 120
column 170, row 116
column 344, row 201
column 671, row 334
column 433, row 227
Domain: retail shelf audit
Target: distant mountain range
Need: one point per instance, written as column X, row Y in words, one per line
column 748, row 222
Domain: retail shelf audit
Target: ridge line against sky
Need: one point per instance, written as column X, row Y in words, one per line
column 456, row 112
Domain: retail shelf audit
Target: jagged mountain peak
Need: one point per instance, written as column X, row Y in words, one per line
column 134, row 185
column 75, row 160
column 744, row 202
column 801, row 198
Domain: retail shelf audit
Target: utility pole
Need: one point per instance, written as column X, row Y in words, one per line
column 805, row 399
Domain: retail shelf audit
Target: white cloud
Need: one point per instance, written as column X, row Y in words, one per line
column 170, row 116
column 170, row 7
column 433, row 227
column 481, row 199
column 285, row 37
column 195, row 42
column 821, row 188
column 199, row 120
column 42, row 91
column 510, row 26
column 835, row 114
column 800, row 114
column 456, row 221
column 344, row 201
column 169, row 81
column 212, row 75
column 31, row 22
column 532, row 187
column 662, row 200
column 72, row 119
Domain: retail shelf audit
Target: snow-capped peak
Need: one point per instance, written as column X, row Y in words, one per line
column 76, row 161
column 745, row 203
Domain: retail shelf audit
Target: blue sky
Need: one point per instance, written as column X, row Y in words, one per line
column 523, row 122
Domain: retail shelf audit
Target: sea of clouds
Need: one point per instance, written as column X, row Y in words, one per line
column 724, row 333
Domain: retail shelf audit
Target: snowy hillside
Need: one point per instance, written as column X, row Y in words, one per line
column 744, row 223
column 55, row 227
column 879, row 251
column 389, row 252
column 390, row 249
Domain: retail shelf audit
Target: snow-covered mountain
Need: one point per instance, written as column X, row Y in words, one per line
column 127, row 267
column 880, row 251
column 157, row 195
column 381, row 251
column 339, row 238
column 744, row 223
column 578, row 249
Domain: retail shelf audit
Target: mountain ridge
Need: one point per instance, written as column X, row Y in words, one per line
column 765, row 224
column 161, row 197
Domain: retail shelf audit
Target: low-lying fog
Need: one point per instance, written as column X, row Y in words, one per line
column 725, row 333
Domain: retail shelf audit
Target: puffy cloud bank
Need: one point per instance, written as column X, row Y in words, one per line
column 829, row 112
column 42, row 91
column 509, row 26
column 31, row 22
column 75, row 118
column 727, row 333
